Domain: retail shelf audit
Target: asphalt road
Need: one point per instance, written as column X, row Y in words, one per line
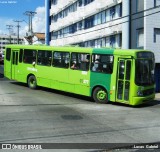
column 49, row 116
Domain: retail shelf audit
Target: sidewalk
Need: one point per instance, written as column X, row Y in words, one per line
column 158, row 95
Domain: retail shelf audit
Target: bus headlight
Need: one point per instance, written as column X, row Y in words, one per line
column 140, row 93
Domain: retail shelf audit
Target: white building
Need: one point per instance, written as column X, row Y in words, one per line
column 87, row 23
column 38, row 38
column 132, row 24
column 5, row 39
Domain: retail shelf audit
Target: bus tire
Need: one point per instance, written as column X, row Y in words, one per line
column 100, row 95
column 32, row 82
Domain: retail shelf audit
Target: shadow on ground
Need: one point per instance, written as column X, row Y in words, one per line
column 89, row 99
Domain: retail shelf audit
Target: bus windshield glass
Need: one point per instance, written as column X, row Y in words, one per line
column 144, row 72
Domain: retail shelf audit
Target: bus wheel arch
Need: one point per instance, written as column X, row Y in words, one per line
column 100, row 94
column 32, row 81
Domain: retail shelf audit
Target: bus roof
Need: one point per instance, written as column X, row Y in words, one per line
column 54, row 48
column 129, row 52
column 125, row 52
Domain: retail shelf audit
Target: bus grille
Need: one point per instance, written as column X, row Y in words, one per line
column 148, row 92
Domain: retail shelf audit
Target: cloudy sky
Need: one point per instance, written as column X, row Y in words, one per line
column 11, row 10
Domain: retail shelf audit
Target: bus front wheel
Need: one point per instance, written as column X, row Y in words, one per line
column 32, row 82
column 100, row 95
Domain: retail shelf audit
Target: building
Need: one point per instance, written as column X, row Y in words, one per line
column 5, row 39
column 127, row 24
column 84, row 22
column 37, row 38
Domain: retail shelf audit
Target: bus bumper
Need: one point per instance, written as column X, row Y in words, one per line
column 142, row 100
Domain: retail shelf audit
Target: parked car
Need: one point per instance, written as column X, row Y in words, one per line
column 1, row 58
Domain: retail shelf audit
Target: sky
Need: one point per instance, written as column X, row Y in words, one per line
column 11, row 10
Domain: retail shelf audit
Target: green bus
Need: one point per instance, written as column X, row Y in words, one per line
column 105, row 74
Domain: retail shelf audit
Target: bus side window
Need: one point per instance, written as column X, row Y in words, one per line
column 21, row 56
column 61, row 59
column 80, row 61
column 102, row 63
column 44, row 58
column 29, row 56
column 8, row 54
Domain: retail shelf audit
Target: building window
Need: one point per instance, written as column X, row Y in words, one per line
column 120, row 40
column 140, row 38
column 103, row 17
column 73, row 28
column 112, row 12
column 140, row 5
column 60, row 33
column 87, row 2
column 55, row 18
column 156, row 3
column 99, row 43
column 97, row 19
column 54, row 2
column 79, row 3
column 112, row 40
column 120, row 10
column 156, row 35
column 79, row 25
column 89, row 22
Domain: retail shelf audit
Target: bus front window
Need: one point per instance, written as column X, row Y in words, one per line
column 144, row 72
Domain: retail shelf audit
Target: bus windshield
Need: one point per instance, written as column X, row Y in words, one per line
column 144, row 72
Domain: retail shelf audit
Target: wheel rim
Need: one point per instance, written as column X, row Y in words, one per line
column 32, row 82
column 101, row 95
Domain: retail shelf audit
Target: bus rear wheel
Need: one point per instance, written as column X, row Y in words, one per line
column 32, row 82
column 100, row 95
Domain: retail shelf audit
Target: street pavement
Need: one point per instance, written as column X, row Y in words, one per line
column 157, row 96
column 50, row 116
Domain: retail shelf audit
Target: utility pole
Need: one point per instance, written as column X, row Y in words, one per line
column 47, row 38
column 29, row 35
column 18, row 26
column 10, row 28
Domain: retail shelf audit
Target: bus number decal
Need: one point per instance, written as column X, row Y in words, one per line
column 84, row 81
column 32, row 69
column 84, row 72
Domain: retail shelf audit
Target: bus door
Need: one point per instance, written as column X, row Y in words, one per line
column 14, row 64
column 123, row 80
